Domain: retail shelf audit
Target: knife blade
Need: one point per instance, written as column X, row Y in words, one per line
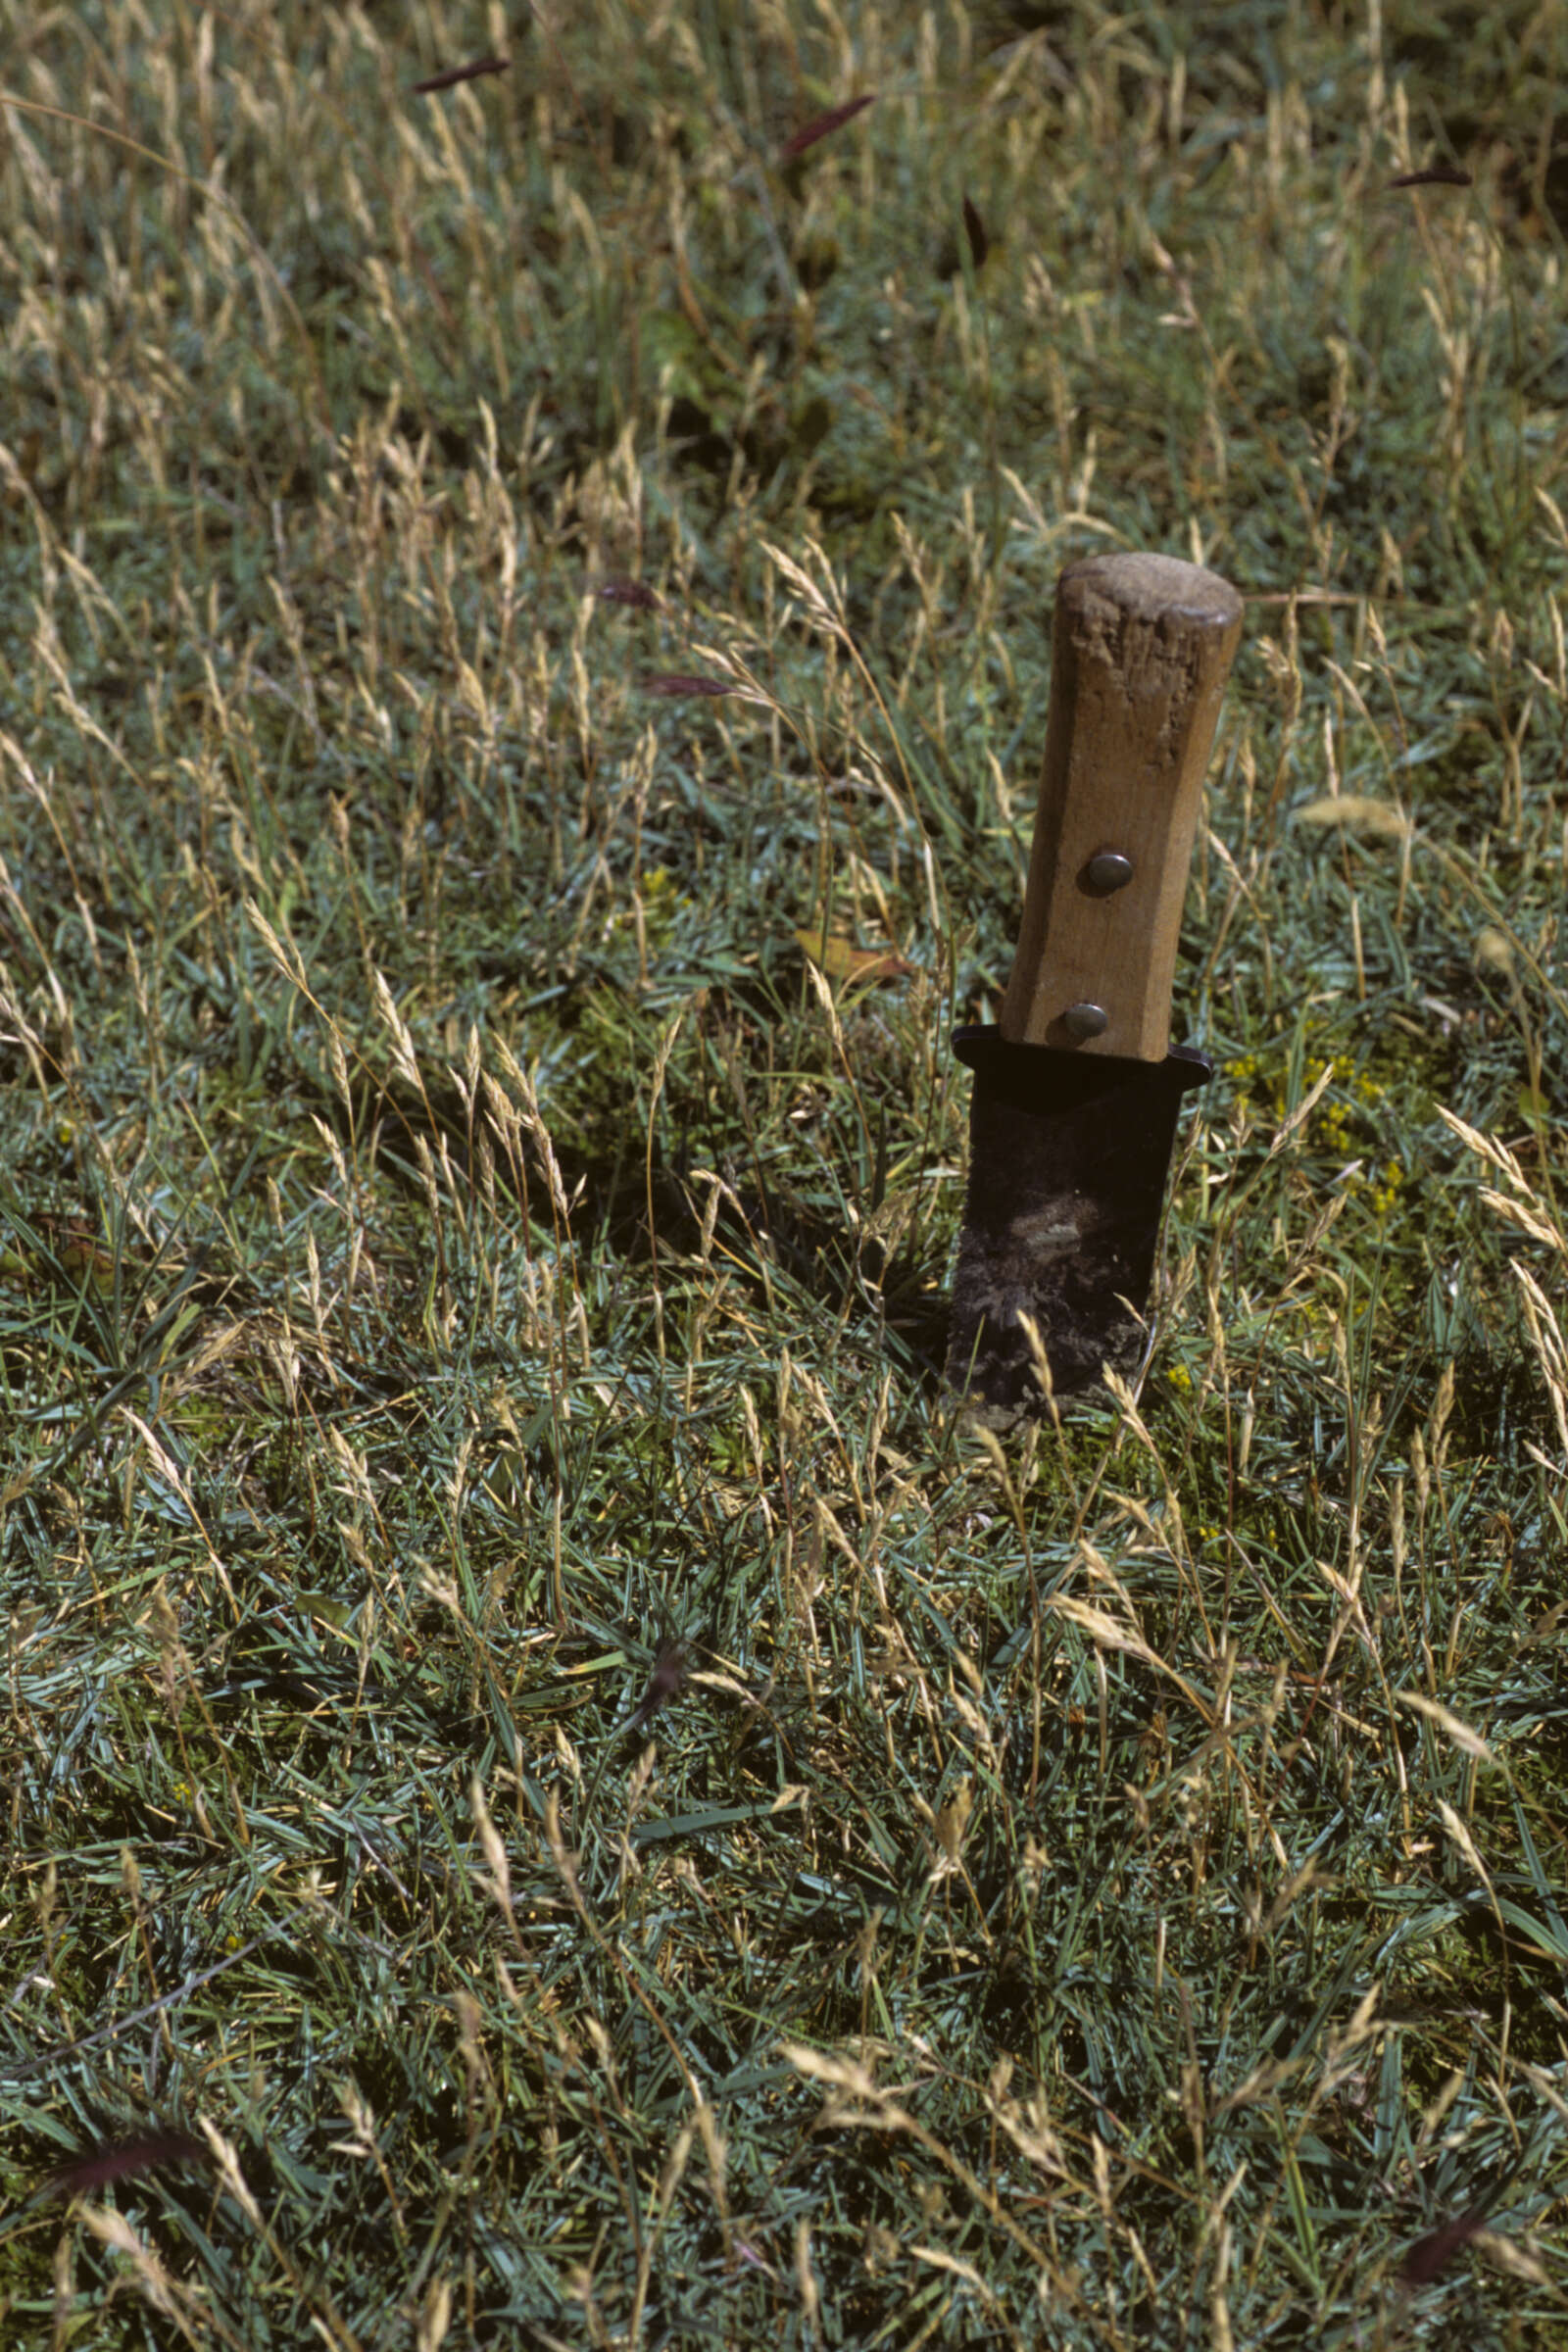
column 1077, row 1091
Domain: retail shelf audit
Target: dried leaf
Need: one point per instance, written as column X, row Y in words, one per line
column 1433, row 2253
column 121, row 2160
column 1359, row 811
column 841, row 960
column 84, row 1260
column 670, row 1671
column 456, row 74
column 952, row 1821
column 821, row 125
column 626, row 592
column 1435, row 175
column 671, row 683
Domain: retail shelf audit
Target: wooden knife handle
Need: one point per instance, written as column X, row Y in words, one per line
column 1142, row 648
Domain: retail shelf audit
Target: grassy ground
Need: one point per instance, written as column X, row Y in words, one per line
column 466, row 1267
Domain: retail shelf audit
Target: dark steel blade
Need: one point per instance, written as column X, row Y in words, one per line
column 1069, row 1155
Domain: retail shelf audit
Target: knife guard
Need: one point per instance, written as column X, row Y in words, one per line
column 1069, row 1154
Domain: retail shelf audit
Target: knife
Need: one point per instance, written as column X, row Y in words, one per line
column 1077, row 1092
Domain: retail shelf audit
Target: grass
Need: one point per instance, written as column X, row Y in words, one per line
column 466, row 1265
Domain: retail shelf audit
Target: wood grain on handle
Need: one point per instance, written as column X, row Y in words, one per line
column 1142, row 648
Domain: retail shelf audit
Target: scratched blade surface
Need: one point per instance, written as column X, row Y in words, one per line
column 1068, row 1157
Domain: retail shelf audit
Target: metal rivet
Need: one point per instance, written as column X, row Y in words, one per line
column 1108, row 870
column 1086, row 1020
